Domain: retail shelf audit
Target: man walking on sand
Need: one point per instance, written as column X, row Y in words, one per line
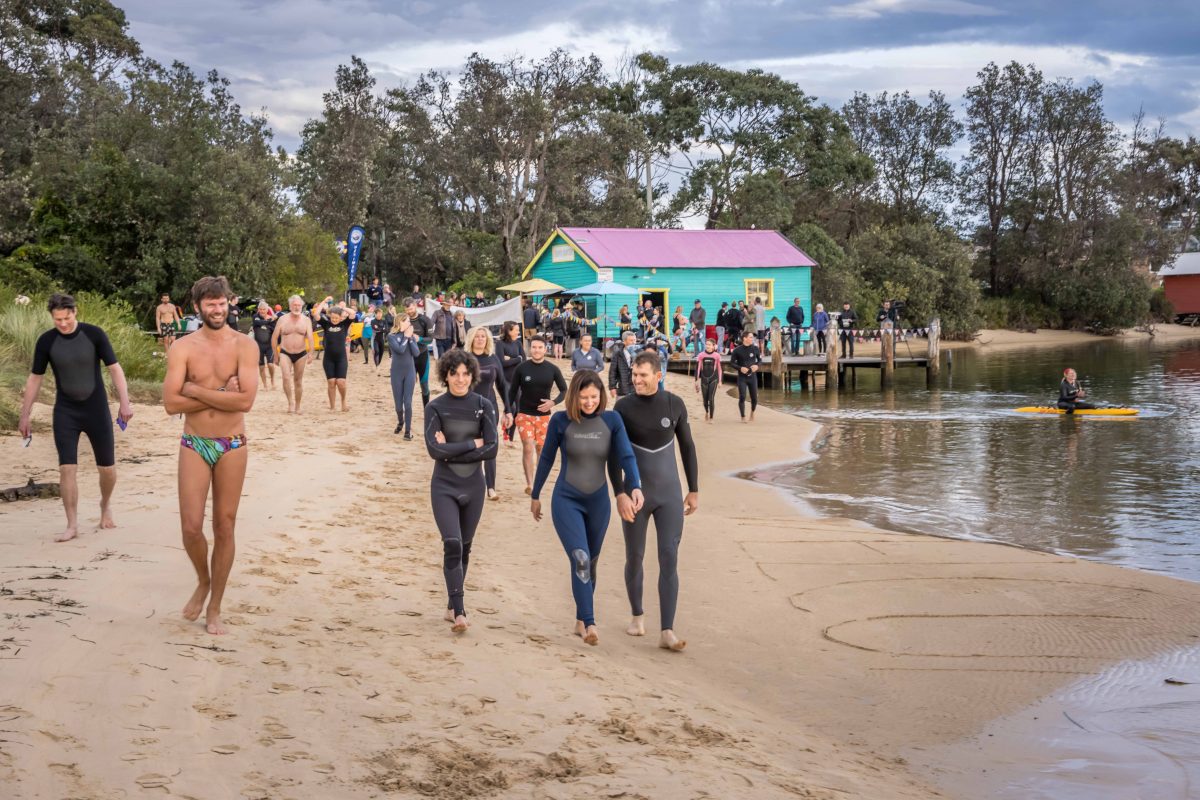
column 167, row 315
column 293, row 344
column 654, row 419
column 212, row 378
column 74, row 351
column 529, row 394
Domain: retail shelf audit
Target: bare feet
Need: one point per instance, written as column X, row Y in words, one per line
column 449, row 615
column 491, row 493
column 291, row 409
column 589, row 633
column 752, row 416
column 67, row 535
column 637, row 626
column 669, row 641
column 460, row 624
column 106, row 519
column 195, row 605
column 345, row 407
column 212, row 622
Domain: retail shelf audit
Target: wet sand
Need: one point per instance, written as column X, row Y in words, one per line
column 826, row 659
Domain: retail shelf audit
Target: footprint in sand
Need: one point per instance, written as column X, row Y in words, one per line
column 213, row 712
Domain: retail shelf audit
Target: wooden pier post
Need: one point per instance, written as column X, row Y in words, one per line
column 887, row 346
column 831, row 366
column 777, row 359
column 934, row 365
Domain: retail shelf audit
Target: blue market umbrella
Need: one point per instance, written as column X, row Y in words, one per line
column 603, row 289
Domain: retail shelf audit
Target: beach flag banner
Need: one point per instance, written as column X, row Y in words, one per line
column 355, row 240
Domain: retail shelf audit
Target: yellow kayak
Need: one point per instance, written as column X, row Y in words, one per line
column 1094, row 412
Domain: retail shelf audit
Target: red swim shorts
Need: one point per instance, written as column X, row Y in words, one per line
column 532, row 428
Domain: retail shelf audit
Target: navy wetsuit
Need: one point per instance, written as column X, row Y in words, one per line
column 80, row 404
column 456, row 489
column 423, row 329
column 580, row 506
column 746, row 356
column 654, row 423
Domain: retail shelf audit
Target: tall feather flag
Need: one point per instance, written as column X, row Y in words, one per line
column 354, row 248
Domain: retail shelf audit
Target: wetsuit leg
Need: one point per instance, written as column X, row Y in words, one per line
column 422, row 364
column 752, row 385
column 336, row 364
column 90, row 418
column 67, row 427
column 377, row 344
column 635, row 554
column 405, row 411
column 456, row 509
column 742, row 389
column 581, row 521
column 668, row 524
column 708, row 390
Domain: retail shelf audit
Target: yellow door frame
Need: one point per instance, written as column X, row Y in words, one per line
column 666, row 318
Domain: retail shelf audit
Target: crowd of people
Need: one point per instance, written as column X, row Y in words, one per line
column 495, row 389
column 498, row 386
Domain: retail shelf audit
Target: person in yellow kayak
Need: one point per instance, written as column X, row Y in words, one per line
column 1070, row 393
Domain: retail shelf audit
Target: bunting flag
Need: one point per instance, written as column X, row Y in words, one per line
column 354, row 249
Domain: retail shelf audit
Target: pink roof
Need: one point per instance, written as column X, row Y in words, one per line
column 647, row 247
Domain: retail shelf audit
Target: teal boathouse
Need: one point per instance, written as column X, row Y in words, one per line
column 677, row 267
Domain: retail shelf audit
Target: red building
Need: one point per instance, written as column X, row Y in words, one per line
column 1181, row 282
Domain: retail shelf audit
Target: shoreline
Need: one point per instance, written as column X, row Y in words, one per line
column 821, row 657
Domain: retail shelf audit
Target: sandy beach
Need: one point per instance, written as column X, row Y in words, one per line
column 826, row 659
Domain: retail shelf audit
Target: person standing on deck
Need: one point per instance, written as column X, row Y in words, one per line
column 795, row 321
column 846, row 321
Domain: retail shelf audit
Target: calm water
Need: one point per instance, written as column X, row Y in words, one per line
column 957, row 461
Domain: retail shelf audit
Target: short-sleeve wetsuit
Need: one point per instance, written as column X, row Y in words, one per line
column 580, row 506
column 335, row 360
column 81, row 403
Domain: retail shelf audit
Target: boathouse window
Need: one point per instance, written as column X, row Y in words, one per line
column 562, row 252
column 761, row 288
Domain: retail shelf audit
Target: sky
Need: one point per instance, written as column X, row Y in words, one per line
column 280, row 55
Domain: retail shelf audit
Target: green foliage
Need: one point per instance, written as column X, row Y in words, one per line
column 1017, row 313
column 1161, row 309
column 834, row 279
column 926, row 267
column 305, row 262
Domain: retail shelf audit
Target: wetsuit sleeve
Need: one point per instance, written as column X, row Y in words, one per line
column 561, row 383
column 450, row 451
column 687, row 446
column 396, row 343
column 103, row 346
column 502, row 384
column 41, row 353
column 620, row 454
column 514, row 390
column 554, row 435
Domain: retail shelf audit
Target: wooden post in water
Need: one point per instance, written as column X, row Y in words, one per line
column 777, row 359
column 887, row 346
column 934, row 365
column 831, row 366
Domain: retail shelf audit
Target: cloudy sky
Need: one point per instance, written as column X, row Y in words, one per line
column 281, row 54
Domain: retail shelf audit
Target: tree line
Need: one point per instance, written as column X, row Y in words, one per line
column 1025, row 206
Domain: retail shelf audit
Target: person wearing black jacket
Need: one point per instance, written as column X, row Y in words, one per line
column 886, row 314
column 620, row 367
column 512, row 353
column 846, row 328
column 795, row 321
column 422, row 328
column 530, row 319
column 733, row 325
column 746, row 360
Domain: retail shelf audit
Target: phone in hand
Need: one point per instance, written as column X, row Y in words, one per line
column 122, row 424
column 27, row 441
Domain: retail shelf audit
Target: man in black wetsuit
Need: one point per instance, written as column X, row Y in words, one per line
column 423, row 330
column 1070, row 392
column 529, row 394
column 74, row 350
column 263, row 326
column 745, row 360
column 654, row 418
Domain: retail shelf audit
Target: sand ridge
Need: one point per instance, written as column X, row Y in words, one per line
column 339, row 678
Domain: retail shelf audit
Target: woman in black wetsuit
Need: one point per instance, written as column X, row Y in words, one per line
column 336, row 327
column 491, row 378
column 511, row 350
column 460, row 431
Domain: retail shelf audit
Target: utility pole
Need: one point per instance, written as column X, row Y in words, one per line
column 649, row 192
